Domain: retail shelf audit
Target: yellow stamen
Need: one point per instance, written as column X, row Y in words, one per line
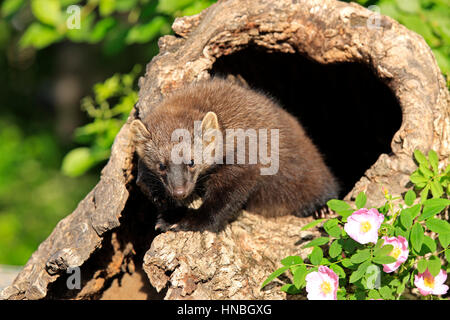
column 428, row 280
column 396, row 252
column 325, row 287
column 365, row 227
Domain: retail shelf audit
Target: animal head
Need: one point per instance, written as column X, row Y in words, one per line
column 173, row 160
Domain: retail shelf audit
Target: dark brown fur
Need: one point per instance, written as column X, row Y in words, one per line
column 303, row 182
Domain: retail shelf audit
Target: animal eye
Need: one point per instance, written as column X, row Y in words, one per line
column 191, row 164
column 162, row 167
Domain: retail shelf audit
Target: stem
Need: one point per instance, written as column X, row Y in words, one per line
column 443, row 250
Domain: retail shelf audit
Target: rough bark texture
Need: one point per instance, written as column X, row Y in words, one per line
column 108, row 235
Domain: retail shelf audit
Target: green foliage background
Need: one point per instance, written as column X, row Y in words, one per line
column 42, row 178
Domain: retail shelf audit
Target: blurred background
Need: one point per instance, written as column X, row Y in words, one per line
column 65, row 92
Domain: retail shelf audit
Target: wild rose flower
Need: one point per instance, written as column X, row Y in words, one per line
column 322, row 284
column 362, row 226
column 427, row 284
column 399, row 252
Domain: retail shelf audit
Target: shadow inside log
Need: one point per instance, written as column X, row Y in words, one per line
column 114, row 271
column 347, row 111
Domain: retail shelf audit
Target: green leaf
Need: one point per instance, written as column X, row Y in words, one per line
column 444, row 239
column 348, row 264
column 429, row 244
column 360, row 294
column 379, row 244
column 373, row 294
column 406, row 219
column 384, row 259
column 447, row 255
column 79, row 160
column 414, row 210
column 146, row 32
column 9, row 7
column 330, row 224
column 360, row 256
column 416, row 236
column 299, row 274
column 291, row 260
column 290, row 289
column 335, row 232
column 438, row 226
column 417, row 178
column 424, row 193
column 436, row 189
column 437, row 202
column 420, row 158
column 361, row 200
column 410, row 6
column 335, row 249
column 434, row 265
column 317, row 242
column 345, row 214
column 172, row 6
column 101, row 28
column 430, row 210
column 400, row 231
column 349, row 245
column 405, row 280
column 384, row 250
column 338, row 205
column 338, row 270
column 425, row 171
column 359, row 273
column 386, row 293
column 274, row 275
column 106, row 7
column 312, row 224
column 47, row 11
column 422, row 265
column 125, row 5
column 434, row 161
column 316, row 256
column 410, row 196
column 39, row 36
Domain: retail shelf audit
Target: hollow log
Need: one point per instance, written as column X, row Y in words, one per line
column 367, row 90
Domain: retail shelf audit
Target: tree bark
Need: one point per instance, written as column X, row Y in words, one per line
column 110, row 235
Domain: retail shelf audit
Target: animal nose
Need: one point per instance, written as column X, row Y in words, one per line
column 179, row 192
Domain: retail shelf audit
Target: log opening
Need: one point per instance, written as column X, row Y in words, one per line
column 114, row 271
column 348, row 112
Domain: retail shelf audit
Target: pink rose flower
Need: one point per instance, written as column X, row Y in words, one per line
column 399, row 252
column 427, row 284
column 362, row 226
column 322, row 284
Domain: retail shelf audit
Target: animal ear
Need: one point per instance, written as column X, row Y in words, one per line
column 210, row 122
column 139, row 131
